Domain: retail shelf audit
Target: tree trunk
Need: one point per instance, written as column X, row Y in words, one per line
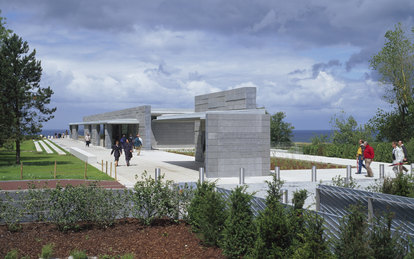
column 17, row 151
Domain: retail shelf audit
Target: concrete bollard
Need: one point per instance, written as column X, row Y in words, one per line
column 381, row 172
column 201, row 174
column 277, row 172
column 157, row 174
column 348, row 174
column 412, row 168
column 285, row 197
column 314, row 173
column 241, row 176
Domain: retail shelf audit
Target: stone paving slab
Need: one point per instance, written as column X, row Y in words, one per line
column 55, row 148
column 45, row 147
column 176, row 167
column 37, row 146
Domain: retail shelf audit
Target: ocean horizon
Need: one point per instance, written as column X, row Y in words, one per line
column 298, row 135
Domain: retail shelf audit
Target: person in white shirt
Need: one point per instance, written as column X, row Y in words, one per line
column 87, row 140
column 397, row 158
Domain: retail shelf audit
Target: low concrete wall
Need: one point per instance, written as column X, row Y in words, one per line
column 83, row 155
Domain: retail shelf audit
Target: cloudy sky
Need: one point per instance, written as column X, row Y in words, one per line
column 308, row 59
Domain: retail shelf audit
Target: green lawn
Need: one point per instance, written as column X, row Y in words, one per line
column 40, row 165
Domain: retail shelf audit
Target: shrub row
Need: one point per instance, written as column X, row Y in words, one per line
column 70, row 207
column 383, row 151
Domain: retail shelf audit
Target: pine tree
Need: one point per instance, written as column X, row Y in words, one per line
column 23, row 101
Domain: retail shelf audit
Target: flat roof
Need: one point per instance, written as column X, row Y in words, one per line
column 115, row 121
column 202, row 115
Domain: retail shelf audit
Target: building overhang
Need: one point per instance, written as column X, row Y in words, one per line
column 116, row 121
column 202, row 115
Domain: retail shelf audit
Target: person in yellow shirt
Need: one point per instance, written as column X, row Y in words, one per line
column 360, row 156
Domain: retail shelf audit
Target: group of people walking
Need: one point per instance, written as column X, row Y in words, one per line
column 366, row 153
column 128, row 145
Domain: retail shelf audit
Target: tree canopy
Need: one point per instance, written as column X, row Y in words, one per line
column 280, row 131
column 23, row 102
column 394, row 64
column 347, row 131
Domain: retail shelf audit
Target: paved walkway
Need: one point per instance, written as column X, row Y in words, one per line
column 179, row 168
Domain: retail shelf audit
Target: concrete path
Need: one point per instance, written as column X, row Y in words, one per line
column 179, row 168
column 45, row 147
column 54, row 147
column 37, row 146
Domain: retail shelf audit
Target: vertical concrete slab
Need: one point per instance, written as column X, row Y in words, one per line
column 143, row 115
column 95, row 137
column 87, row 129
column 199, row 136
column 74, row 131
column 235, row 140
column 108, row 135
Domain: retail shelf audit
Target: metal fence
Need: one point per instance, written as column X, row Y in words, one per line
column 333, row 202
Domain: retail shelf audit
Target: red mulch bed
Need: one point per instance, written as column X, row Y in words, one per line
column 26, row 184
column 165, row 239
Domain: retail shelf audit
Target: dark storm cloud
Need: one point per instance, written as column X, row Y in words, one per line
column 309, row 23
column 316, row 68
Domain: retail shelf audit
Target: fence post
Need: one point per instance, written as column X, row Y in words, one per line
column 21, row 170
column 314, row 173
column 201, row 175
column 106, row 167
column 381, row 172
column 110, row 170
column 348, row 174
column 370, row 210
column 241, row 176
column 115, row 174
column 277, row 173
column 318, row 199
column 86, row 169
column 102, row 165
column 157, row 174
column 54, row 171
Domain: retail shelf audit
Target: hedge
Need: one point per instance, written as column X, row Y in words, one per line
column 383, row 150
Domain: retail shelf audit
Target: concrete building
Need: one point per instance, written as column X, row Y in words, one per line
column 226, row 129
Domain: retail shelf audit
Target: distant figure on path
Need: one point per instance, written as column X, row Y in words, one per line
column 369, row 156
column 123, row 141
column 404, row 149
column 117, row 151
column 138, row 144
column 87, row 140
column 128, row 148
column 397, row 158
column 360, row 156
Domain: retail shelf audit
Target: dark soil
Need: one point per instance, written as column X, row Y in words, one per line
column 165, row 239
column 27, row 184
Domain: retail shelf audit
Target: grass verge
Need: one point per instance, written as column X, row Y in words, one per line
column 40, row 165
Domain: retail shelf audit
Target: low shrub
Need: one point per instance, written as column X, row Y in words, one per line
column 353, row 241
column 154, row 199
column 314, row 243
column 77, row 254
column 11, row 212
column 207, row 213
column 239, row 228
column 47, row 251
column 71, row 205
column 13, row 254
column 402, row 185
